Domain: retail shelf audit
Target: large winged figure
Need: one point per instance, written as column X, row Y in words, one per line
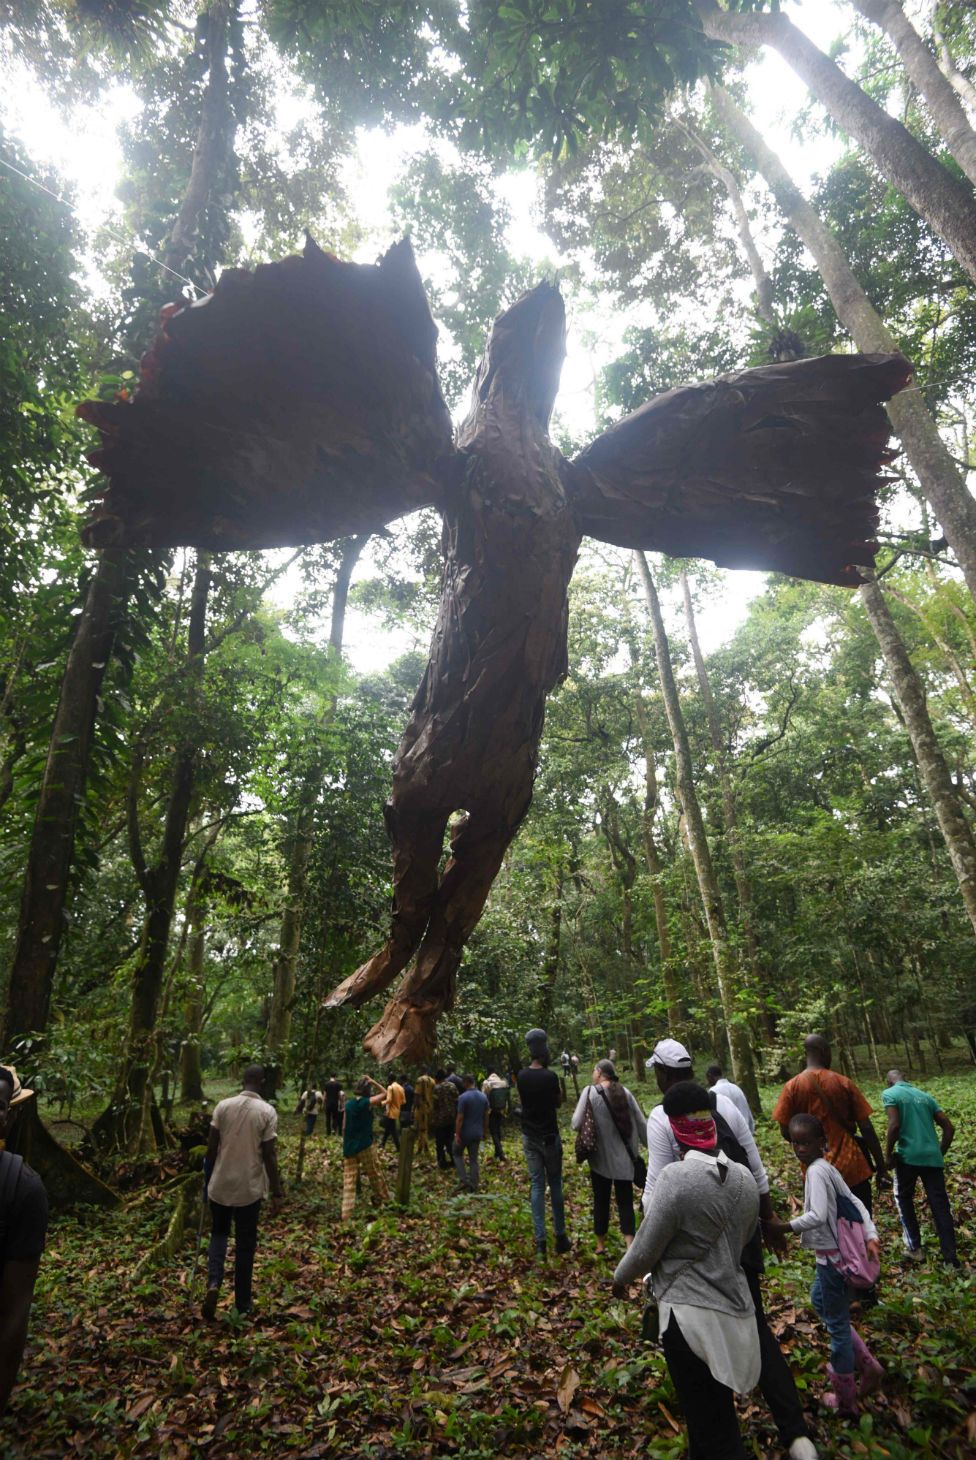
column 300, row 402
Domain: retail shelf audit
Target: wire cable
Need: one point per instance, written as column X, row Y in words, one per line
column 119, row 236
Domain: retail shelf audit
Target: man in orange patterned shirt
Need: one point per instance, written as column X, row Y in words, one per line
column 842, row 1111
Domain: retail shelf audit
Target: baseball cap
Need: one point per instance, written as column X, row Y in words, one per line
column 670, row 1053
column 20, row 1093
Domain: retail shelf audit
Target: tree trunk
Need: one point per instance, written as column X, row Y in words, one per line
column 944, row 105
column 765, row 294
column 655, row 870
column 728, row 974
column 44, row 897
column 293, row 917
column 938, row 475
column 125, row 1123
column 49, row 859
column 550, row 965
column 960, row 84
column 910, row 693
column 937, row 197
column 625, row 866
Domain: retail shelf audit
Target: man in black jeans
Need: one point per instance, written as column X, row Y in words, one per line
column 23, row 1227
column 541, row 1095
column 332, row 1090
column 241, row 1164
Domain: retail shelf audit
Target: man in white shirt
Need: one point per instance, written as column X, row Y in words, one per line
column 241, row 1164
column 671, row 1063
column 716, row 1081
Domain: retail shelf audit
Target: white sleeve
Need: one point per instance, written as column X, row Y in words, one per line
column 816, row 1200
column 662, row 1150
column 577, row 1119
column 737, row 1124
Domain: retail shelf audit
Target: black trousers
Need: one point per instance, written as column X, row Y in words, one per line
column 390, row 1128
column 495, row 1131
column 933, row 1181
column 864, row 1191
column 333, row 1121
column 624, row 1193
column 444, row 1141
column 775, row 1379
column 709, row 1407
column 245, row 1221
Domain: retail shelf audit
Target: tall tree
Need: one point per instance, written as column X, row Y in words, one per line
column 126, row 1121
column 302, row 834
column 910, row 694
column 50, row 859
column 934, row 192
column 939, row 477
column 929, row 80
column 727, row 969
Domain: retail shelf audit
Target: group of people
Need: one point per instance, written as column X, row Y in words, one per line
column 704, row 1192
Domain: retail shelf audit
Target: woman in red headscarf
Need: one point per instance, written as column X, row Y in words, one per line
column 702, row 1213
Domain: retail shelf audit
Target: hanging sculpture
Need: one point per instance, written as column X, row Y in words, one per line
column 300, row 403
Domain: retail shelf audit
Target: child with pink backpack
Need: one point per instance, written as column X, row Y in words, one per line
column 839, row 1229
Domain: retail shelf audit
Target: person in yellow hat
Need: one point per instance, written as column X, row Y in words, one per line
column 23, row 1228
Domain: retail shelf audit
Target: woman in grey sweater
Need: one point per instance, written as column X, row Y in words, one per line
column 703, row 1211
column 620, row 1131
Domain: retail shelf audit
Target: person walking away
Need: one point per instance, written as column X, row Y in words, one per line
column 672, row 1064
column 393, row 1104
column 406, row 1113
column 914, row 1153
column 716, row 1081
column 423, row 1105
column 540, row 1094
column 471, row 1128
column 495, row 1090
column 241, row 1166
column 358, row 1151
column 703, row 1212
column 620, row 1133
column 853, row 1370
column 332, row 1091
column 443, row 1115
column 312, row 1102
column 456, row 1081
column 23, row 1230
column 843, row 1112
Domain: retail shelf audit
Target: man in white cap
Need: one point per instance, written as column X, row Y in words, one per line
column 23, row 1228
column 671, row 1064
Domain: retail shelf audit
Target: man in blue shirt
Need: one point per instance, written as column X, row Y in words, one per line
column 470, row 1129
column 914, row 1153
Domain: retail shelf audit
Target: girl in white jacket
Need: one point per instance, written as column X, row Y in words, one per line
column 853, row 1370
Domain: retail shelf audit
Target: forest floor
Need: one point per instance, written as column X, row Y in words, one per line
column 432, row 1331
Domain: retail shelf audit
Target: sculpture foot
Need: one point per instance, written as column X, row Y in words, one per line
column 404, row 1032
column 370, row 978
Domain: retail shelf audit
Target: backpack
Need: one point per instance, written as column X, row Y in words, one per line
column 498, row 1096
column 850, row 1257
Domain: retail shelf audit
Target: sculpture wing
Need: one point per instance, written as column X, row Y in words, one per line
column 296, row 403
column 775, row 468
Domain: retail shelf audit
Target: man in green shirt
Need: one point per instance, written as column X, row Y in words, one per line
column 914, row 1152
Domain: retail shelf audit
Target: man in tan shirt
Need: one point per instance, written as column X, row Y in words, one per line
column 241, row 1165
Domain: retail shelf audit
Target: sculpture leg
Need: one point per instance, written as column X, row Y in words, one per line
column 418, row 842
column 407, row 1026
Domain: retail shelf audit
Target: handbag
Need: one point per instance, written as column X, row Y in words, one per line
column 586, row 1136
column 639, row 1164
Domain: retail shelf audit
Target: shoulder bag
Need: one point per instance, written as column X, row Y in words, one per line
column 586, row 1136
column 639, row 1164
